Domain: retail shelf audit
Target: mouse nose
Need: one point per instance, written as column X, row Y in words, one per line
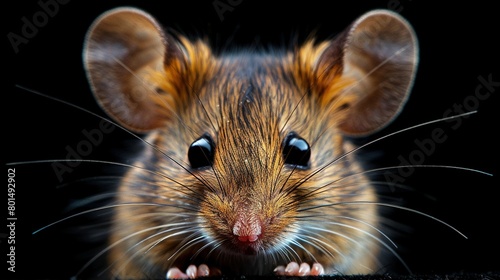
column 247, row 228
column 250, row 238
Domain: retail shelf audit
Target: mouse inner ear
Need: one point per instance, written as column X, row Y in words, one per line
column 378, row 55
column 124, row 55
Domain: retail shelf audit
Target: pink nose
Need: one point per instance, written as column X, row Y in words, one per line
column 247, row 227
column 251, row 238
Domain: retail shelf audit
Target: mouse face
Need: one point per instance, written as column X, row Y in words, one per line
column 245, row 163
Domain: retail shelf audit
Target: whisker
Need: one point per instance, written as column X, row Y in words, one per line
column 331, row 184
column 90, row 211
column 383, row 243
column 102, row 162
column 315, row 245
column 103, row 196
column 290, row 251
column 444, row 119
column 405, row 209
column 312, row 230
column 189, row 244
column 216, row 246
column 116, row 243
column 303, row 249
column 140, row 251
column 273, row 256
column 208, row 244
column 187, row 238
column 282, row 254
column 92, row 199
column 101, row 209
column 156, row 148
column 373, row 170
column 165, row 214
column 323, row 243
column 355, row 228
column 312, row 174
column 92, row 178
column 394, row 185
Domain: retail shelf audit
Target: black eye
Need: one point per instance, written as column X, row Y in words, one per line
column 296, row 151
column 201, row 152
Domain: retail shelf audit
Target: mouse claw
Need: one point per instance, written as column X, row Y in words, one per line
column 175, row 273
column 191, row 272
column 304, row 269
column 317, row 270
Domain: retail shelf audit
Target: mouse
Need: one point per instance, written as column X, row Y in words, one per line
column 247, row 166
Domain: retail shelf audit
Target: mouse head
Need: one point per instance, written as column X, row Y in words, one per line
column 247, row 141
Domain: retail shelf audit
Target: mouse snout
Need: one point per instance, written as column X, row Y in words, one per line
column 247, row 228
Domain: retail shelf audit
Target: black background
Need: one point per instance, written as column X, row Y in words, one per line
column 457, row 45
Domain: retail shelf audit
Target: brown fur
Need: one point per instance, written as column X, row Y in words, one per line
column 248, row 103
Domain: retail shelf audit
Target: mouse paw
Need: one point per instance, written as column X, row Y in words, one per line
column 304, row 269
column 192, row 272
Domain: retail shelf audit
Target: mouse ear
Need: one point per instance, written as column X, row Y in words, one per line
column 378, row 54
column 124, row 55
